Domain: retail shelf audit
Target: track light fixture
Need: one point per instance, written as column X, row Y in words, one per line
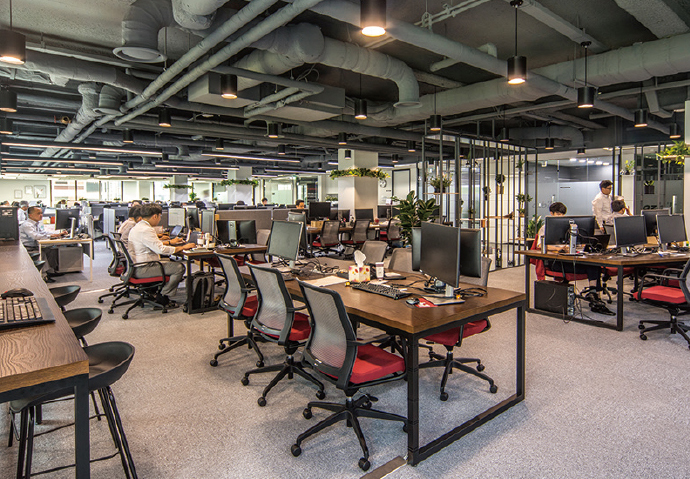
column 360, row 109
column 281, row 149
column 585, row 94
column 220, row 146
column 127, row 136
column 5, row 126
column 8, row 101
column 228, row 87
column 411, row 146
column 12, row 45
column 641, row 118
column 164, row 118
column 674, row 134
column 517, row 65
column 342, row 138
column 372, row 17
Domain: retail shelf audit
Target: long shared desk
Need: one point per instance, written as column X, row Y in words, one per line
column 44, row 358
column 602, row 259
column 413, row 324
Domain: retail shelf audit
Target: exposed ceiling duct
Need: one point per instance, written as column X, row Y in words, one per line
column 572, row 135
column 656, row 15
column 140, row 30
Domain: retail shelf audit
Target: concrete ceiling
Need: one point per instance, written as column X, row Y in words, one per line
column 634, row 49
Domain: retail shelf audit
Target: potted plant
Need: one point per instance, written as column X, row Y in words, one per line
column 500, row 178
column 487, row 191
column 440, row 183
column 675, row 153
column 649, row 187
column 519, row 164
column 629, row 168
column 413, row 211
column 533, row 226
column 193, row 196
column 522, row 199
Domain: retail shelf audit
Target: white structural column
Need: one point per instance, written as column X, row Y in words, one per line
column 686, row 171
column 240, row 192
column 179, row 194
column 356, row 192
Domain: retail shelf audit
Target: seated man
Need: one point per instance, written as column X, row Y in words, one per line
column 299, row 204
column 22, row 212
column 618, row 209
column 134, row 216
column 32, row 230
column 144, row 246
column 593, row 272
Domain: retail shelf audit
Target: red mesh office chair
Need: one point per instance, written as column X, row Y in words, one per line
column 116, row 268
column 670, row 291
column 359, row 235
column 277, row 320
column 238, row 305
column 329, row 238
column 335, row 354
column 392, row 233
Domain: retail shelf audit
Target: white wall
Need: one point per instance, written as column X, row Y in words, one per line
column 9, row 187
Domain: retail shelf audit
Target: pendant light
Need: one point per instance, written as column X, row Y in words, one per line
column 395, row 158
column 5, row 126
column 517, row 65
column 503, row 136
column 342, row 138
column 411, row 146
column 8, row 101
column 360, row 104
column 348, row 154
column 641, row 118
column 164, row 119
column 281, row 149
column 273, row 130
column 372, row 17
column 12, row 45
column 581, row 151
column 585, row 94
column 220, row 146
column 674, row 134
column 127, row 136
column 435, row 121
column 228, row 87
column 549, row 144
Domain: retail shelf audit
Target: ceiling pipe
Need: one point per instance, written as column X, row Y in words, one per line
column 140, row 27
column 237, row 21
column 195, row 14
column 109, row 101
column 656, row 15
column 276, row 20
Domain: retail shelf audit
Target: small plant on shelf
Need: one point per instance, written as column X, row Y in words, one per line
column 437, row 182
column 500, row 179
column 628, row 168
column 533, row 226
column 649, row 187
column 193, row 196
column 519, row 164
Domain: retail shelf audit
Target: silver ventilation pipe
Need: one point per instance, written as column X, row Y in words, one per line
column 140, row 27
column 109, row 101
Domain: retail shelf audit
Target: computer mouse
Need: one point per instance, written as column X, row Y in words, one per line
column 412, row 301
column 16, row 293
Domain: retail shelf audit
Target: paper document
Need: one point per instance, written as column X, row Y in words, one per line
column 326, row 281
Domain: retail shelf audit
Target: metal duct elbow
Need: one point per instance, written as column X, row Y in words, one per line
column 109, row 101
column 140, row 31
column 195, row 14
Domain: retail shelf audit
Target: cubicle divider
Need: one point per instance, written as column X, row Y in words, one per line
column 280, row 214
column 109, row 221
column 262, row 217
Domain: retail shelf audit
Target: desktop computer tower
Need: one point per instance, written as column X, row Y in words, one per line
column 70, row 258
column 9, row 225
column 554, row 297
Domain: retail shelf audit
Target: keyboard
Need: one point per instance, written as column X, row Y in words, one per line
column 382, row 289
column 24, row 311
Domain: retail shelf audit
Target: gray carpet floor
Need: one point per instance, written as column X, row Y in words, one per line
column 600, row 404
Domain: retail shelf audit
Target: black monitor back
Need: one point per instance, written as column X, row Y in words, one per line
column 471, row 252
column 630, row 230
column 226, row 231
column 416, row 248
column 671, row 229
column 650, row 219
column 9, row 224
column 246, row 231
column 364, row 214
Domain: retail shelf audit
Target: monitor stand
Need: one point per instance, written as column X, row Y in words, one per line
column 71, row 228
column 447, row 298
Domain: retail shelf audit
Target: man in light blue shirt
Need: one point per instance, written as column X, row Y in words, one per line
column 22, row 212
column 32, row 230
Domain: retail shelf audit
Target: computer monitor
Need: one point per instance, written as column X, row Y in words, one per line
column 284, row 240
column 440, row 254
column 63, row 218
column 557, row 228
column 630, row 231
column 471, row 252
column 364, row 214
column 301, row 218
column 226, row 231
column 96, row 209
column 192, row 213
column 650, row 219
column 416, row 240
column 176, row 217
column 208, row 222
column 319, row 209
column 225, row 206
column 671, row 229
column 246, row 231
column 9, row 224
column 383, row 211
column 344, row 215
column 333, row 215
column 121, row 213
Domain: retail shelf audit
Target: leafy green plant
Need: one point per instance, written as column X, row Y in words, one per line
column 176, row 187
column 533, row 226
column 239, row 182
column 193, row 196
column 500, row 179
column 361, row 172
column 629, row 167
column 413, row 211
column 676, row 153
column 523, row 198
column 331, row 198
column 143, row 198
column 438, row 181
column 520, row 163
column 649, row 183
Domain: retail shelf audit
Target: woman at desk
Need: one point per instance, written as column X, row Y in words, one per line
column 593, row 272
column 32, row 230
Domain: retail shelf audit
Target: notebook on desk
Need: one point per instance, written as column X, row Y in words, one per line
column 442, row 301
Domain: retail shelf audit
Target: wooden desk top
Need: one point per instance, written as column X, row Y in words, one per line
column 65, row 241
column 244, row 249
column 35, row 354
column 343, row 229
column 611, row 259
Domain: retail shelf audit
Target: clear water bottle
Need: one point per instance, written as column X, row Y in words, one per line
column 573, row 237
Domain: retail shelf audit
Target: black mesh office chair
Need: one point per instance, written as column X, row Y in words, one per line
column 277, row 320
column 238, row 305
column 335, row 354
column 329, row 238
column 359, row 235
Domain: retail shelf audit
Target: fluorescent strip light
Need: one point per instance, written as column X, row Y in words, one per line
column 582, row 161
column 265, row 176
column 149, row 173
column 333, row 163
column 78, row 146
column 62, row 160
column 196, row 167
column 247, row 157
column 598, row 162
column 296, row 171
column 573, row 159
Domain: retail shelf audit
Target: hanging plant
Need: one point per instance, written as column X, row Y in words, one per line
column 361, row 172
column 438, row 181
column 177, row 187
column 519, row 164
column 676, row 153
column 500, row 179
column 239, row 182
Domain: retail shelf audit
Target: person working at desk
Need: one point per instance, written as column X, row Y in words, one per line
column 133, row 217
column 22, row 212
column 299, row 204
column 32, row 230
column 593, row 272
column 144, row 246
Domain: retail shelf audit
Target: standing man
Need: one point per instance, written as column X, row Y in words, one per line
column 601, row 204
column 22, row 212
column 144, row 246
column 32, row 230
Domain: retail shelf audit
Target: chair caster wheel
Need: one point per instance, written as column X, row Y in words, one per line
column 261, row 401
column 443, row 396
column 125, row 316
column 364, row 464
column 405, row 428
column 643, row 337
column 244, row 381
column 259, row 364
column 100, row 300
column 184, row 308
column 306, row 413
column 110, row 311
column 320, row 394
column 295, row 450
column 480, row 367
column 165, row 311
column 214, row 362
column 493, row 389
column 221, row 346
column 640, row 326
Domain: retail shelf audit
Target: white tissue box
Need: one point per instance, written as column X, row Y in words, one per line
column 359, row 274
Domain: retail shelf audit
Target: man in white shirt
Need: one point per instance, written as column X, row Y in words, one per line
column 22, row 214
column 134, row 217
column 145, row 246
column 601, row 204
